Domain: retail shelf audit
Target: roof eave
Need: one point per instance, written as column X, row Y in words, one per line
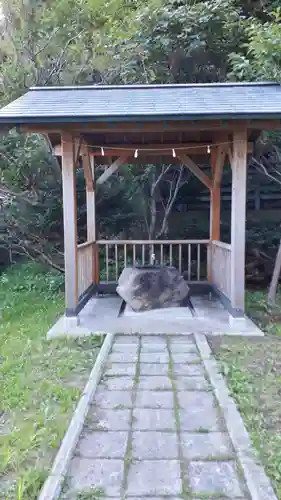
column 27, row 120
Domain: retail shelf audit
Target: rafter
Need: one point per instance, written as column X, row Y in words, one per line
column 110, row 170
column 195, row 170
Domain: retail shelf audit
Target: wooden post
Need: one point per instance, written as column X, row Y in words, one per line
column 217, row 162
column 238, row 218
column 89, row 173
column 91, row 223
column 215, row 208
column 70, row 223
column 91, row 204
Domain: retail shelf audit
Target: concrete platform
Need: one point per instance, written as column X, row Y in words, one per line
column 102, row 315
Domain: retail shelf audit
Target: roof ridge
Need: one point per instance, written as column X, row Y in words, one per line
column 155, row 86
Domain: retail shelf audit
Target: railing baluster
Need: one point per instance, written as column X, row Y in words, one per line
column 116, row 262
column 189, row 262
column 198, row 262
column 170, row 252
column 134, row 254
column 125, row 255
column 180, row 257
column 106, row 262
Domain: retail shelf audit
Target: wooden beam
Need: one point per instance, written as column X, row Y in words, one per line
column 88, row 171
column 193, row 148
column 195, row 170
column 110, row 170
column 217, row 167
column 156, row 126
column 69, row 222
column 238, row 218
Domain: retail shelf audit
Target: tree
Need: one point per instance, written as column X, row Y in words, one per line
column 263, row 61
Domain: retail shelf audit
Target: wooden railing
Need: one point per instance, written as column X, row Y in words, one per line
column 220, row 264
column 189, row 256
column 85, row 267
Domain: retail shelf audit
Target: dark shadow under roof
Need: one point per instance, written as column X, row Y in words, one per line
column 145, row 102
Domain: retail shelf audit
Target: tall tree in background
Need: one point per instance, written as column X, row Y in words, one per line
column 263, row 62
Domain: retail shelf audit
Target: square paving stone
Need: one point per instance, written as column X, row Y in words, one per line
column 183, row 347
column 197, row 419
column 191, row 384
column 203, row 401
column 206, row 445
column 113, row 369
column 154, row 369
column 154, row 477
column 123, row 357
column 148, row 348
column 181, row 339
column 103, row 444
column 126, row 339
column 113, row 399
column 86, row 473
column 192, row 370
column 154, row 399
column 155, row 445
column 157, row 383
column 108, row 419
column 153, row 339
column 151, row 419
column 118, row 383
column 214, row 478
column 154, row 357
column 129, row 348
column 185, row 357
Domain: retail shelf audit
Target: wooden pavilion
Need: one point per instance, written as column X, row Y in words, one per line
column 116, row 125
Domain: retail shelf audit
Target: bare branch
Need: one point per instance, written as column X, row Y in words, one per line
column 58, row 63
column 261, row 168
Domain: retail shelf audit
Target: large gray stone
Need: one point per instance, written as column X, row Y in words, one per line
column 152, row 287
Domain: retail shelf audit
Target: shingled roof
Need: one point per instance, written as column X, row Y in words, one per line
column 145, row 102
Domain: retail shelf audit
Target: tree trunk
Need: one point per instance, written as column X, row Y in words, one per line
column 271, row 298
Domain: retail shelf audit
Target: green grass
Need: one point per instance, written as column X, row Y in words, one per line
column 252, row 368
column 40, row 381
column 267, row 318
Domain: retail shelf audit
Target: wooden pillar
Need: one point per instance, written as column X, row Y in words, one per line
column 91, row 222
column 89, row 173
column 215, row 201
column 91, row 204
column 238, row 218
column 217, row 163
column 70, row 223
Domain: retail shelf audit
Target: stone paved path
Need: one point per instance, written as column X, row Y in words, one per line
column 154, row 429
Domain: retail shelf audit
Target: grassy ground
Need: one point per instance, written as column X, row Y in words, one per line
column 40, row 381
column 253, row 370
